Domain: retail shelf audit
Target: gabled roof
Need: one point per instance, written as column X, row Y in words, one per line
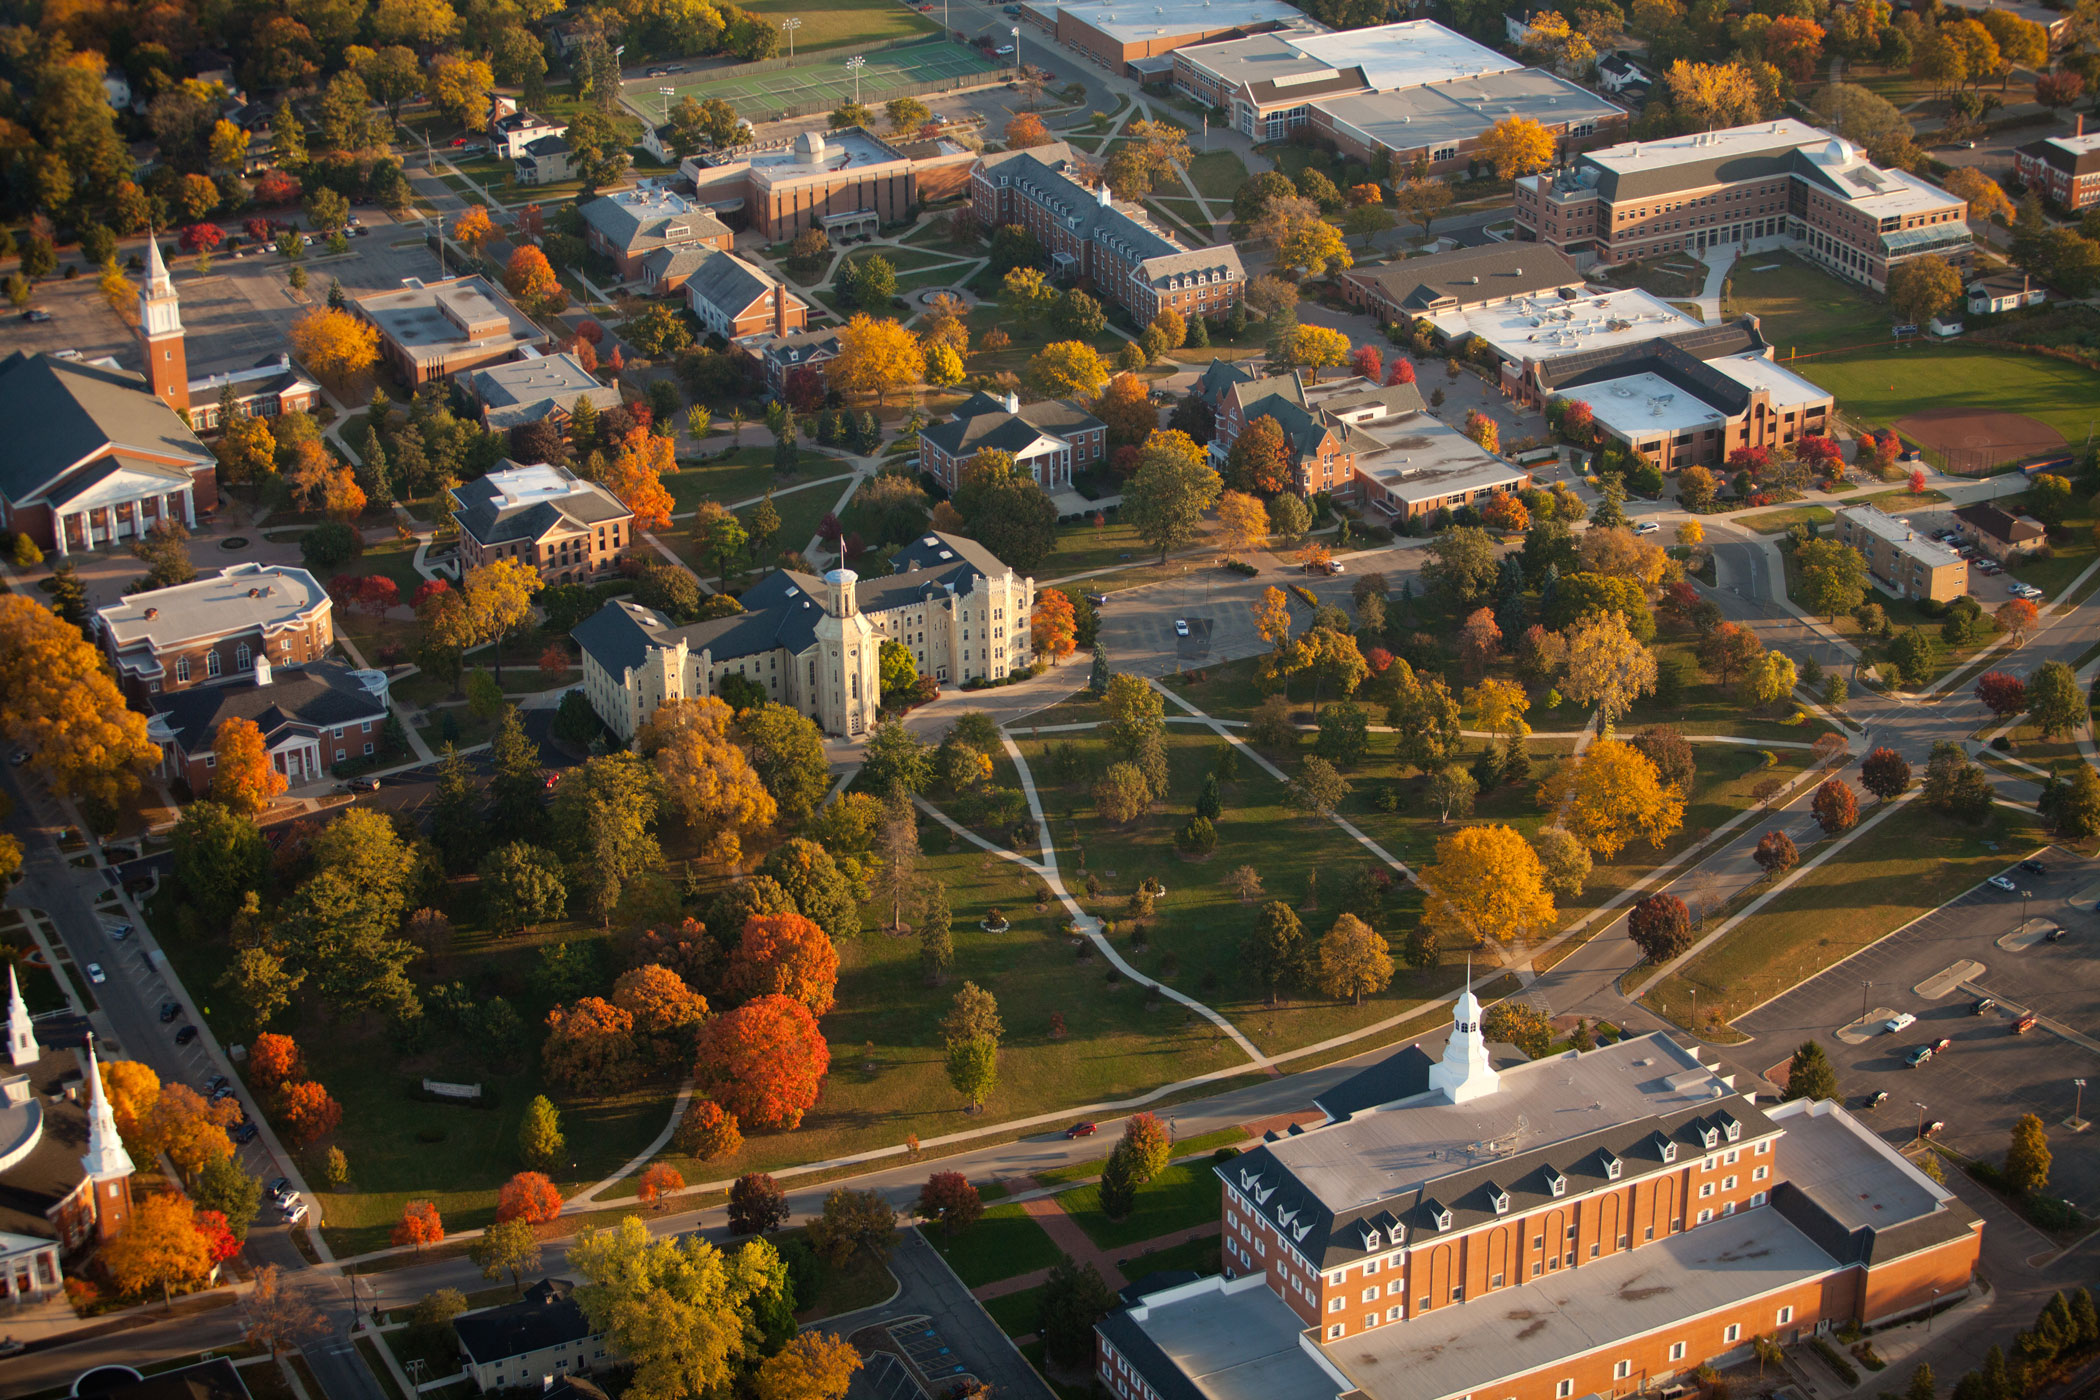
column 985, row 422
column 318, row 695
column 1046, row 173
column 798, row 348
column 1218, row 377
column 728, row 283
column 632, row 220
column 1470, row 276
column 61, row 412
column 1999, row 525
column 547, row 1316
column 515, row 502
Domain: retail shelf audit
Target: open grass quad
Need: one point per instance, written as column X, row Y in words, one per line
column 823, row 78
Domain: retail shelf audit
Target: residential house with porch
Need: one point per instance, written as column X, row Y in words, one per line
column 312, row 717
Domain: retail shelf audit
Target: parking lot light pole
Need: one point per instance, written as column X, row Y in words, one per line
column 1931, row 1311
column 2025, row 895
column 2077, row 1124
column 1921, row 1121
column 665, row 93
column 1863, row 985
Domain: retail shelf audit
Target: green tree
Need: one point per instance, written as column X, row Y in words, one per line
column 258, row 979
column 541, row 1145
column 787, row 750
column 1915, row 655
column 2054, row 704
column 936, row 937
column 219, row 858
column 1833, row 577
column 507, row 1247
column 973, row 1068
column 605, row 817
column 225, row 1186
column 806, row 871
column 1809, row 1074
column 518, row 784
column 521, row 885
column 1073, row 1299
column 896, row 760
column 456, row 826
column 1007, row 510
column 1173, row 486
column 1956, row 785
column 1276, row 951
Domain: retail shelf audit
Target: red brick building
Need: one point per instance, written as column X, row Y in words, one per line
column 210, row 630
column 2065, row 169
column 571, row 530
column 1587, row 1224
column 1095, row 242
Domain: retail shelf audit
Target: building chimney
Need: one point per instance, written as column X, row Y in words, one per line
column 2081, row 125
column 262, row 670
column 780, row 309
column 1013, row 402
column 1104, row 195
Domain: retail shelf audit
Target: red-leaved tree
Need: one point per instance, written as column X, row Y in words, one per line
column 202, row 238
column 219, row 1243
column 1917, row 481
column 1577, row 419
column 1885, row 773
column 308, row 1111
column 2001, row 694
column 1836, row 807
column 765, row 1061
column 1366, row 361
column 1776, row 853
column 272, row 1060
column 419, row 1225
column 530, row 1197
column 1400, row 371
column 276, row 189
column 948, row 1197
column 1660, row 926
column 756, row 1205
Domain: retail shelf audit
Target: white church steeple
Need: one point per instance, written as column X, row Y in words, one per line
column 1465, row 1072
column 22, row 1048
column 106, row 1159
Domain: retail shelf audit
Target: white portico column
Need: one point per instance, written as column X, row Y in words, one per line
column 189, row 507
column 59, row 522
column 138, row 519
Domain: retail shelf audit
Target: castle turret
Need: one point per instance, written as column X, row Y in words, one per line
column 160, row 330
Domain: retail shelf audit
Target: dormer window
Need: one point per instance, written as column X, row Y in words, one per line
column 1731, row 1128
column 1443, row 1220
column 1612, row 1166
column 1710, row 1136
column 1664, row 1148
column 1556, row 1183
column 1371, row 1237
column 1499, row 1199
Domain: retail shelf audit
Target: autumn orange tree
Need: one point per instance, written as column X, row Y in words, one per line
column 667, row 1013
column 322, row 481
column 1487, row 883
column 530, row 1197
column 636, row 476
column 308, row 1111
column 273, row 1059
column 1243, row 522
column 473, row 228
column 335, row 344
column 57, row 699
column 1053, row 629
column 659, row 1181
column 530, row 279
column 765, row 1061
column 590, row 1045
column 243, row 777
column 784, row 955
column 132, row 1089
column 707, row 1132
column 160, row 1249
column 419, row 1225
column 1025, row 130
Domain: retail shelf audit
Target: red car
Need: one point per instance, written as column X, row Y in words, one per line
column 1080, row 1130
column 549, row 781
column 2024, row 1024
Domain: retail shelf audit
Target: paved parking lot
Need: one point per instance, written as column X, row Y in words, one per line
column 1989, row 1076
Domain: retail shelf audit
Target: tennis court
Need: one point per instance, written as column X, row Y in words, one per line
column 822, row 80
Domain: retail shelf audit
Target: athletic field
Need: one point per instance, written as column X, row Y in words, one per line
column 819, row 80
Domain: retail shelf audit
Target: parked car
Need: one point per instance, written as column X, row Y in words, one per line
column 1919, row 1056
column 96, row 975
column 1181, row 627
column 1646, row 527
column 293, row 1213
column 169, row 1010
column 281, row 1190
column 1983, row 1005
column 2056, row 935
column 1080, row 1130
column 361, row 785
column 2001, row 882
column 186, row 1035
column 1899, row 1021
column 1097, row 599
column 120, row 932
column 2034, row 867
column 2024, row 1024
column 1004, row 51
column 243, row 1132
column 9, row 1346
column 216, row 1083
column 1942, row 1046
column 36, row 317
column 1876, row 1100
column 1932, row 1129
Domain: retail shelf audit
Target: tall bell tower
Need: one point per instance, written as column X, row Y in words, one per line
column 160, row 329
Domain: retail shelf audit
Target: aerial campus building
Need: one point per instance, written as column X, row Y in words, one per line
column 1466, row 1228
column 1776, row 184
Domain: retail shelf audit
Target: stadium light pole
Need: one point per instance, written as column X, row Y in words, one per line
column 665, row 93
column 791, row 25
column 853, row 66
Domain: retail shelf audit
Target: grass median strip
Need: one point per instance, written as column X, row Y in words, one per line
column 1183, row 1196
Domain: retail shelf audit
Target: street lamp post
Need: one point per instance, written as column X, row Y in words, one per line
column 2077, row 1124
column 1016, row 32
column 853, row 66
column 1921, row 1120
column 1863, row 985
column 791, row 25
column 1931, row 1311
column 2025, row 895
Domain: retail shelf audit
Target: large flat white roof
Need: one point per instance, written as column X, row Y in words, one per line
column 1446, row 113
column 1635, row 405
column 1130, row 23
column 1788, row 389
column 1929, row 552
column 261, row 596
column 1407, row 54
column 1547, row 327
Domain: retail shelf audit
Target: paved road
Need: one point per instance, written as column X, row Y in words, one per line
column 47, row 1367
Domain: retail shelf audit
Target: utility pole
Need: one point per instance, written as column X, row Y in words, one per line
column 791, row 25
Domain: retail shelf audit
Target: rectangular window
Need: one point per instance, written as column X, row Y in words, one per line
column 1622, row 1370
column 1564, row 1389
column 1334, row 1332
column 1733, row 1332
column 1336, row 1304
column 1677, row 1351
column 1784, row 1316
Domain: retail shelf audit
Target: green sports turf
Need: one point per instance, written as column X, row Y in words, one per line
column 826, row 80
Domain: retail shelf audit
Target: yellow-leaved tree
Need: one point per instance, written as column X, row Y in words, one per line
column 814, row 1366
column 1068, row 369
column 1611, row 796
column 876, row 356
column 636, row 476
column 1607, row 666
column 1243, row 521
column 496, row 600
column 1487, row 883
column 678, row 1309
column 1353, row 960
column 1517, row 146
column 160, row 1250
column 335, row 344
column 707, row 778
column 58, row 700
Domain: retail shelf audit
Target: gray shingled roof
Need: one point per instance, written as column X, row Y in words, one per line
column 61, row 411
column 727, row 283
column 632, row 225
column 320, row 694
column 1472, row 275
column 1044, row 171
column 984, row 422
column 482, row 515
column 547, row 1316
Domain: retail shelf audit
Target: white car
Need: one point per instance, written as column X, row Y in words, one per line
column 2002, row 882
column 96, row 975
column 1646, row 527
column 1898, row 1021
column 1181, row 627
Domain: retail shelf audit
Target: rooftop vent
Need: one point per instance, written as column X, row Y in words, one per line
column 152, row 613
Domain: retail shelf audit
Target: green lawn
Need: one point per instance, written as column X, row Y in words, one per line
column 745, row 473
column 1882, row 385
column 1778, row 522
column 1906, row 866
column 1182, row 1196
column 1005, row 1243
column 1803, row 308
column 1018, row 1314
column 1217, row 174
column 846, row 23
